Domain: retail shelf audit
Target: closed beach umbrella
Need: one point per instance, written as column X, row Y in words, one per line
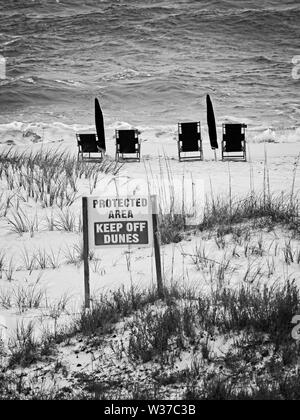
column 100, row 125
column 211, row 122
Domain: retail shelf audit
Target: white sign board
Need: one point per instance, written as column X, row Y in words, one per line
column 120, row 221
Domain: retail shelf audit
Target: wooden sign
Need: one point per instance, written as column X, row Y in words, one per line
column 118, row 222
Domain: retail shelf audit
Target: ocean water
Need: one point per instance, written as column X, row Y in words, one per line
column 150, row 63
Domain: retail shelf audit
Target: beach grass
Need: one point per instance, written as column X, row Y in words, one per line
column 257, row 362
column 49, row 177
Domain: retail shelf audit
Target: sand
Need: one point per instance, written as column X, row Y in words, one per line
column 111, row 270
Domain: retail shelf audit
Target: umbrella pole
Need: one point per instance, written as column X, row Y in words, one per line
column 215, row 152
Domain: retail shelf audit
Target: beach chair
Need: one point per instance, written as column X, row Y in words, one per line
column 189, row 141
column 88, row 147
column 128, row 147
column 234, row 142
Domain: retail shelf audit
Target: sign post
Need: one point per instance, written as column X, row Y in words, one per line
column 160, row 288
column 87, row 297
column 111, row 222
